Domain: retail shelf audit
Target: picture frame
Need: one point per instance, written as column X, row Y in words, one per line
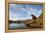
column 7, row 2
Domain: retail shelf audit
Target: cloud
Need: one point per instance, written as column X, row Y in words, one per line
column 23, row 13
column 17, row 16
column 37, row 13
column 13, row 16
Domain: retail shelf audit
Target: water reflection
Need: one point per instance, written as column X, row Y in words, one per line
column 17, row 26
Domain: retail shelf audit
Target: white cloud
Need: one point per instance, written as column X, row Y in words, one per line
column 12, row 4
column 15, row 19
column 31, row 8
column 30, row 11
column 14, row 16
column 37, row 13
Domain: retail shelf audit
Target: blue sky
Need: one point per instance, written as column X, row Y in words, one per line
column 24, row 11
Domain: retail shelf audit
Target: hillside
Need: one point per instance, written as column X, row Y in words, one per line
column 37, row 23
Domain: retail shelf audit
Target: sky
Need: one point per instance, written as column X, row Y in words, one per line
column 24, row 11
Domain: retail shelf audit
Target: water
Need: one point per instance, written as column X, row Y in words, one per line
column 17, row 26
